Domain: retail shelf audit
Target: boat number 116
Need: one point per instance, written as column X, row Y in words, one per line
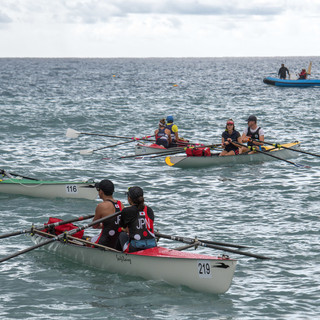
column 71, row 188
column 204, row 269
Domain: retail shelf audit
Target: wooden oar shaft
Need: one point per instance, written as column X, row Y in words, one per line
column 277, row 145
column 200, row 243
column 270, row 155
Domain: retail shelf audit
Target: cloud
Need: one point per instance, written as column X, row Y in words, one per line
column 95, row 11
column 4, row 18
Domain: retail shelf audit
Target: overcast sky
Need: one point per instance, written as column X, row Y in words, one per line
column 159, row 28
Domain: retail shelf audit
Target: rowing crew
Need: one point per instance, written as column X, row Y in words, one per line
column 130, row 231
column 232, row 140
column 167, row 133
column 167, row 136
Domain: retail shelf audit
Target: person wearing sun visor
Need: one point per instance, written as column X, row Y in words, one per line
column 230, row 137
column 138, row 221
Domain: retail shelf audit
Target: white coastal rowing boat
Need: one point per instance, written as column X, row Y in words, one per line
column 214, row 160
column 197, row 271
column 48, row 189
column 152, row 148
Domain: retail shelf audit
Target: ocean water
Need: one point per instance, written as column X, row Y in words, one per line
column 272, row 207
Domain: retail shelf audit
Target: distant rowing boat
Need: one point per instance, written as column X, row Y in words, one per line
column 214, row 160
column 144, row 149
column 291, row 83
column 48, row 189
column 197, row 271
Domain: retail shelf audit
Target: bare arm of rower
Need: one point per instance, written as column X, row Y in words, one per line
column 103, row 209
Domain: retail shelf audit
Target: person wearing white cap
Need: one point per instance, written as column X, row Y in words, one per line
column 251, row 134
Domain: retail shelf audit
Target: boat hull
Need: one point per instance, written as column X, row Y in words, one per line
column 291, row 83
column 143, row 149
column 202, row 162
column 49, row 189
column 198, row 272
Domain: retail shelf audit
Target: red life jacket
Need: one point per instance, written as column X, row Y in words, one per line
column 198, row 152
column 65, row 227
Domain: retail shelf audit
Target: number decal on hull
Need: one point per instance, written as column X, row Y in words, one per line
column 204, row 269
column 71, row 188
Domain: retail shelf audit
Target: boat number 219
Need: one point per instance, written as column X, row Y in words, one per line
column 204, row 269
column 71, row 188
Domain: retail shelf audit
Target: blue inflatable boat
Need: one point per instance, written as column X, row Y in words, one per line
column 291, row 83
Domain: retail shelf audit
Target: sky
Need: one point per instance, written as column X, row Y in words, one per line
column 159, row 28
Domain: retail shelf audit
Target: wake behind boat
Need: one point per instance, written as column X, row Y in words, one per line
column 20, row 185
column 196, row 271
column 291, row 83
column 214, row 160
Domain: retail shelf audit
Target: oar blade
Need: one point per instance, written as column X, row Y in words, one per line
column 72, row 133
column 86, row 151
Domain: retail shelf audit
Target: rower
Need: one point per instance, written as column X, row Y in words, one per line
column 230, row 137
column 303, row 75
column 251, row 134
column 137, row 223
column 110, row 228
column 163, row 135
column 173, row 130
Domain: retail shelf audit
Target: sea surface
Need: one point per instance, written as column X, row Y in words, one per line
column 273, row 207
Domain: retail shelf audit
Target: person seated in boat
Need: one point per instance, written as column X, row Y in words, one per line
column 137, row 221
column 303, row 75
column 173, row 130
column 163, row 135
column 110, row 228
column 282, row 73
column 230, row 137
column 251, row 134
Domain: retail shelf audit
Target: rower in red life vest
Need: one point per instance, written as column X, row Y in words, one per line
column 110, row 228
column 303, row 75
column 173, row 130
column 163, row 135
column 137, row 220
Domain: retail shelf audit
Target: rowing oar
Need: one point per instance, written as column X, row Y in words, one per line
column 279, row 146
column 60, row 236
column 90, row 151
column 75, row 134
column 169, row 151
column 45, row 226
column 224, row 244
column 203, row 244
column 271, row 155
column 9, row 174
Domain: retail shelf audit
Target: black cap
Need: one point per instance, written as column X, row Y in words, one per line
column 106, row 186
column 252, row 118
column 135, row 192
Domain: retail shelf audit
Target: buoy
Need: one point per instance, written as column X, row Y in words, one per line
column 175, row 85
column 114, row 75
